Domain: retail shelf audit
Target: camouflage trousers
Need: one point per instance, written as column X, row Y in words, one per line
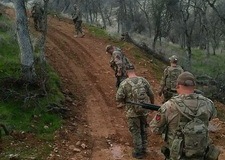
column 38, row 23
column 78, row 27
column 138, row 128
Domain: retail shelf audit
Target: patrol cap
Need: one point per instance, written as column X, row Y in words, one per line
column 130, row 67
column 186, row 79
column 108, row 47
column 173, row 58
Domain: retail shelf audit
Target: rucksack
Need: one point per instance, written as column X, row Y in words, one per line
column 191, row 138
column 125, row 62
column 138, row 94
column 172, row 75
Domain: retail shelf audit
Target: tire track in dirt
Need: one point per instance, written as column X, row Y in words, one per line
column 90, row 79
column 102, row 125
column 89, row 60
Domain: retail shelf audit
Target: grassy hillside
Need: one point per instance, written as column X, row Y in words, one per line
column 24, row 107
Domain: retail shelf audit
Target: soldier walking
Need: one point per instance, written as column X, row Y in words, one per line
column 37, row 15
column 136, row 89
column 77, row 20
column 183, row 122
column 168, row 81
column 118, row 63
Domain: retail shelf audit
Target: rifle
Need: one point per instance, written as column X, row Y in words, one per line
column 145, row 105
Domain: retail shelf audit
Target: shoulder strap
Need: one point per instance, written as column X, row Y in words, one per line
column 130, row 82
column 177, row 105
column 133, row 84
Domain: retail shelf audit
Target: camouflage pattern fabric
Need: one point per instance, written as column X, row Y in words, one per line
column 137, row 122
column 118, row 63
column 124, row 95
column 77, row 19
column 167, row 120
column 37, row 14
column 76, row 15
column 78, row 27
column 138, row 129
column 168, row 81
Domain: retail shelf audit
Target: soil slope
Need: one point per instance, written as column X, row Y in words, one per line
column 95, row 129
column 85, row 72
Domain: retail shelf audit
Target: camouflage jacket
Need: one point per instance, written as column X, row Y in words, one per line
column 119, row 62
column 166, row 78
column 167, row 119
column 37, row 11
column 124, row 95
column 77, row 15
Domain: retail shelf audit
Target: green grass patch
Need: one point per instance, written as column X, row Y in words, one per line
column 97, row 32
column 203, row 65
column 23, row 107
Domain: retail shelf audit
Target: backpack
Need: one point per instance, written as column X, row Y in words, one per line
column 138, row 95
column 125, row 63
column 172, row 75
column 191, row 138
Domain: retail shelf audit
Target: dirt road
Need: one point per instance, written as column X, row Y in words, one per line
column 96, row 130
column 84, row 68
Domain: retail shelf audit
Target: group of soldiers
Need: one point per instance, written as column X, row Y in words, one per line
column 37, row 13
column 182, row 119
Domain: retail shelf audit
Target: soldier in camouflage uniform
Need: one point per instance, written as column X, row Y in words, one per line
column 77, row 20
column 175, row 114
column 37, row 15
column 168, row 81
column 118, row 63
column 136, row 116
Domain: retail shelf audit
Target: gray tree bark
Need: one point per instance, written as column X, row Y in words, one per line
column 23, row 37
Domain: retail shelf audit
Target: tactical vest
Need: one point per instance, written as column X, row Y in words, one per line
column 191, row 136
column 138, row 94
column 172, row 74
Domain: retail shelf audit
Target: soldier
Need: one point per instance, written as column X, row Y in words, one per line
column 183, row 121
column 118, row 63
column 168, row 81
column 136, row 89
column 37, row 15
column 77, row 20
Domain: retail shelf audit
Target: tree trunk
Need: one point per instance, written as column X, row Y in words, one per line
column 102, row 15
column 155, row 40
column 23, row 37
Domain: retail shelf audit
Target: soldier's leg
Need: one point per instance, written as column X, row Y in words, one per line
column 39, row 24
column 144, row 134
column 81, row 29
column 76, row 29
column 35, row 24
column 134, row 128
